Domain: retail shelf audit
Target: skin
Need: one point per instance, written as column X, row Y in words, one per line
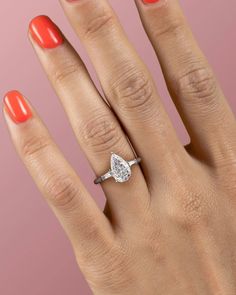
column 171, row 229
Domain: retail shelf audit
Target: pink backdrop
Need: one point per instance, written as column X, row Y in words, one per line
column 35, row 256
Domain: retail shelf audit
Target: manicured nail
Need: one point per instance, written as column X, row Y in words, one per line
column 16, row 107
column 45, row 32
column 150, row 1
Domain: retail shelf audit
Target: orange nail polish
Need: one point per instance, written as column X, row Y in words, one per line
column 45, row 32
column 150, row 1
column 16, row 107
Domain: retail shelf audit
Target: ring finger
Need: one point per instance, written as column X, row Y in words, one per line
column 93, row 122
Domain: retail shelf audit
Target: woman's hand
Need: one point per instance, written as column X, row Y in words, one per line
column 170, row 229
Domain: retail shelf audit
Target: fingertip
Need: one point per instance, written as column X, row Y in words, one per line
column 45, row 32
column 16, row 107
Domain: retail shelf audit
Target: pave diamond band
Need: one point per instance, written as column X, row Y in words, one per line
column 120, row 169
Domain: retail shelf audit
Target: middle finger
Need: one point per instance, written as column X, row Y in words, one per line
column 127, row 83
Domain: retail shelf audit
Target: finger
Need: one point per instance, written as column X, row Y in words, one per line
column 95, row 125
column 85, row 224
column 190, row 79
column 126, row 82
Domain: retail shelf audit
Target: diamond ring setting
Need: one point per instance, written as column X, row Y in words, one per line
column 120, row 169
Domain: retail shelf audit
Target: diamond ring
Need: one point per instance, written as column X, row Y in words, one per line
column 120, row 169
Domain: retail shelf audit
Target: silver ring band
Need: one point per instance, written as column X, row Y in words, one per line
column 120, row 169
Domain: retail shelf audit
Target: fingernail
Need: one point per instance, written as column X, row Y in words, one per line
column 45, row 32
column 150, row 1
column 16, row 107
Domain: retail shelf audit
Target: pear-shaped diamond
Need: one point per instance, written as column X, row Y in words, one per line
column 120, row 169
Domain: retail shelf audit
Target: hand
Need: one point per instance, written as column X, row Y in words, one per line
column 170, row 229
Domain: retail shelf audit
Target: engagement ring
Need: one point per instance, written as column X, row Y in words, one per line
column 120, row 169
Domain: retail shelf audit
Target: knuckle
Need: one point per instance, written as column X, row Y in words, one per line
column 191, row 208
column 187, row 213
column 34, row 145
column 199, row 85
column 188, row 209
column 97, row 24
column 171, row 27
column 65, row 72
column 61, row 191
column 100, row 133
column 134, row 91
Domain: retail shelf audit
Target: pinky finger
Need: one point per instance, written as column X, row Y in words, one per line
column 86, row 226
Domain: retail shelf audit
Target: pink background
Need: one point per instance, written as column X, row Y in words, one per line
column 35, row 256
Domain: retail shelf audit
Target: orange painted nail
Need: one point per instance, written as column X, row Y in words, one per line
column 45, row 32
column 150, row 1
column 16, row 107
